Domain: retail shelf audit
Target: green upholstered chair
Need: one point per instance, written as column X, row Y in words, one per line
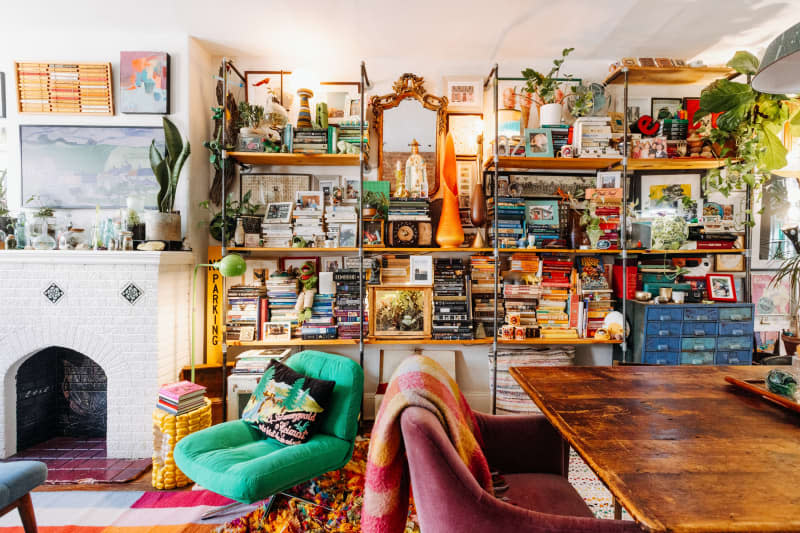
column 236, row 461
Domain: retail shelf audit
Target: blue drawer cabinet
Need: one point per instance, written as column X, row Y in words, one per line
column 691, row 334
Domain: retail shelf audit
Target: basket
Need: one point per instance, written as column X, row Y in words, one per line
column 167, row 431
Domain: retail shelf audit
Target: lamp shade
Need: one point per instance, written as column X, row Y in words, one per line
column 779, row 71
column 231, row 265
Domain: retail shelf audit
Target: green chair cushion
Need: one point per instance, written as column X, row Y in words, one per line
column 234, row 460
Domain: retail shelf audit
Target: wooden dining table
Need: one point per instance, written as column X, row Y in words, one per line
column 679, row 448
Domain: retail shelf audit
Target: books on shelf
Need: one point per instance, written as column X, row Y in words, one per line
column 245, row 313
column 452, row 316
column 257, row 361
column 181, row 397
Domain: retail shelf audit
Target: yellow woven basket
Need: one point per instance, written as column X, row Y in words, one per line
column 167, row 431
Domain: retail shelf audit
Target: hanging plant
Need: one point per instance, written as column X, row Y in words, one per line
column 753, row 121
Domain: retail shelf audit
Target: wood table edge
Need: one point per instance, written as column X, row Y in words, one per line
column 652, row 526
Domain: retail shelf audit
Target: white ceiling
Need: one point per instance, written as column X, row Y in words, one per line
column 455, row 35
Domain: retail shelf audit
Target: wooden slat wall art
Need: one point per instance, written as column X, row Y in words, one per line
column 80, row 88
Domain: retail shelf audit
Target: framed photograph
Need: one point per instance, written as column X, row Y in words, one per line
column 538, row 142
column 332, row 263
column 260, row 85
column 502, row 185
column 277, row 331
column 647, row 62
column 352, row 108
column 373, row 233
column 464, row 94
column 348, row 235
column 2, row 95
column 466, row 176
column 611, row 179
column 292, row 264
column 664, row 62
column 144, row 82
column 278, row 212
column 649, row 148
column 721, row 287
column 352, row 188
column 729, row 263
column 82, row 167
column 661, row 108
column 541, row 213
column 399, row 311
column 663, row 193
column 310, row 199
column 336, row 95
column 465, row 127
column 421, row 270
column 679, row 62
column 327, row 184
column 544, row 185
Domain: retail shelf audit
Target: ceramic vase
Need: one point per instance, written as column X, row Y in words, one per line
column 550, row 114
column 304, row 114
column 163, row 226
column 594, row 236
column 449, row 234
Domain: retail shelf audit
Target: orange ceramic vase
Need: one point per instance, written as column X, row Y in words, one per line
column 449, row 234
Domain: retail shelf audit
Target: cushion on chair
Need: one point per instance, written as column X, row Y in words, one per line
column 341, row 417
column 17, row 478
column 546, row 493
column 234, row 460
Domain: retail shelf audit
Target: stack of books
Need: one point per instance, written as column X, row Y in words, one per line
column 409, row 209
column 511, row 399
column 322, row 324
column 483, row 293
column 246, row 312
column 451, row 306
column 553, row 312
column 335, row 216
column 255, row 362
column 595, row 295
column 308, row 222
column 350, row 132
column 282, row 297
column 609, row 210
column 310, row 141
column 594, row 137
column 560, row 134
column 521, row 291
column 348, row 304
column 510, row 222
column 181, row 397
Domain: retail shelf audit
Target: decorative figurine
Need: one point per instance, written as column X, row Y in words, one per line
column 416, row 173
column 304, row 114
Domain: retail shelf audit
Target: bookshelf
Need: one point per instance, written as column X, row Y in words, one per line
column 668, row 76
column 553, row 163
column 296, row 160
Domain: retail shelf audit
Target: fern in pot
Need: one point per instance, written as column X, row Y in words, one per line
column 165, row 224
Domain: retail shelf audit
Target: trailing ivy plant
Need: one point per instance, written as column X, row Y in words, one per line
column 753, row 121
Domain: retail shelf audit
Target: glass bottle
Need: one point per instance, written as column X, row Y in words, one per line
column 126, row 241
column 11, row 241
column 238, row 235
column 44, row 241
column 19, row 231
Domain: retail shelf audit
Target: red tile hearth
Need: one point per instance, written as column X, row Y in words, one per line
column 71, row 461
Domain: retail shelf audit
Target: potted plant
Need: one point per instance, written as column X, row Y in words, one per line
column 750, row 121
column 135, row 225
column 233, row 210
column 547, row 89
column 250, row 117
column 165, row 224
column 374, row 206
column 592, row 224
column 790, row 270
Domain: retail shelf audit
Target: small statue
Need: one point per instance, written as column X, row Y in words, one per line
column 416, row 173
column 348, row 148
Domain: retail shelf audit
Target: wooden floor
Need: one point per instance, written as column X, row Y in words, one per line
column 142, row 483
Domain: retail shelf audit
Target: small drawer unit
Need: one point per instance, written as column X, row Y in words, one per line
column 691, row 334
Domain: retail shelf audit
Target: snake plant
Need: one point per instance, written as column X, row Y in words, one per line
column 167, row 167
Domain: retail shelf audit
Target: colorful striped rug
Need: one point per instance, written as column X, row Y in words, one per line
column 122, row 512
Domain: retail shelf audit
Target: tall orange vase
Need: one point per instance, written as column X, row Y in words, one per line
column 449, row 234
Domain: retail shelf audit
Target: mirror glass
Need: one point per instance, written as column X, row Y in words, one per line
column 402, row 125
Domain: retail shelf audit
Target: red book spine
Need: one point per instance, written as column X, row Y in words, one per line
column 710, row 245
column 263, row 309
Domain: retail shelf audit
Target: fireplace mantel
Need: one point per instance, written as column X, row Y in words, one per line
column 90, row 257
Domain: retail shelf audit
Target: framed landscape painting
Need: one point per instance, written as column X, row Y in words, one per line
column 72, row 167
column 144, row 82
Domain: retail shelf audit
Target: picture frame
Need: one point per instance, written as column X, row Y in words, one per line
column 772, row 301
column 331, row 263
column 542, row 213
column 538, row 142
column 629, row 62
column 144, row 83
column 659, row 106
column 647, row 62
column 277, row 331
column 352, row 190
column 400, row 311
column 348, row 235
column 649, row 148
column 660, row 192
column 352, row 106
column 466, row 177
column 680, row 63
column 295, row 262
column 664, row 62
column 609, row 179
column 336, row 94
column 721, row 287
column 729, row 263
column 278, row 213
column 327, row 184
column 464, row 94
column 465, row 127
column 256, row 88
column 310, row 199
column 420, row 271
column 372, row 233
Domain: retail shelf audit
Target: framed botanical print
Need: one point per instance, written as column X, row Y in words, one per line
column 400, row 311
column 464, row 94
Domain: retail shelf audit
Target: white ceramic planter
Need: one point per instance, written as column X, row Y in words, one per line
column 550, row 114
column 162, row 226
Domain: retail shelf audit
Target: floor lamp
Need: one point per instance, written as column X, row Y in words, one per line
column 231, row 265
column 779, row 70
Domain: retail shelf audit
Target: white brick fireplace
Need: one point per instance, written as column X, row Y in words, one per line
column 127, row 311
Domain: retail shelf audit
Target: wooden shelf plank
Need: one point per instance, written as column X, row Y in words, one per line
column 687, row 163
column 554, row 163
column 298, row 251
column 428, row 341
column 557, row 250
column 700, row 251
column 406, row 342
column 295, row 342
column 382, row 249
column 334, row 251
column 558, row 341
column 307, row 160
column 669, row 76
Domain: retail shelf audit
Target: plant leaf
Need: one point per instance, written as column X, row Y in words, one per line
column 172, row 140
column 744, row 63
column 724, row 95
column 794, row 124
column 774, row 154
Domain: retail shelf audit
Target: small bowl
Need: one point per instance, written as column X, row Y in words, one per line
column 642, row 296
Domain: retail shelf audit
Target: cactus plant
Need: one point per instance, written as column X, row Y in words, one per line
column 167, row 168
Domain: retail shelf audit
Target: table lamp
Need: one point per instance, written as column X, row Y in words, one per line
column 229, row 266
column 779, row 70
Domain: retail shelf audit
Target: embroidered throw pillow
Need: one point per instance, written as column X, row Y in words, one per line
column 286, row 405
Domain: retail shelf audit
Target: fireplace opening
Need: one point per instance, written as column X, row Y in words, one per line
column 60, row 393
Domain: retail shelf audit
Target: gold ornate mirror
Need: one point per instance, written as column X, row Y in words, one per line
column 409, row 114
